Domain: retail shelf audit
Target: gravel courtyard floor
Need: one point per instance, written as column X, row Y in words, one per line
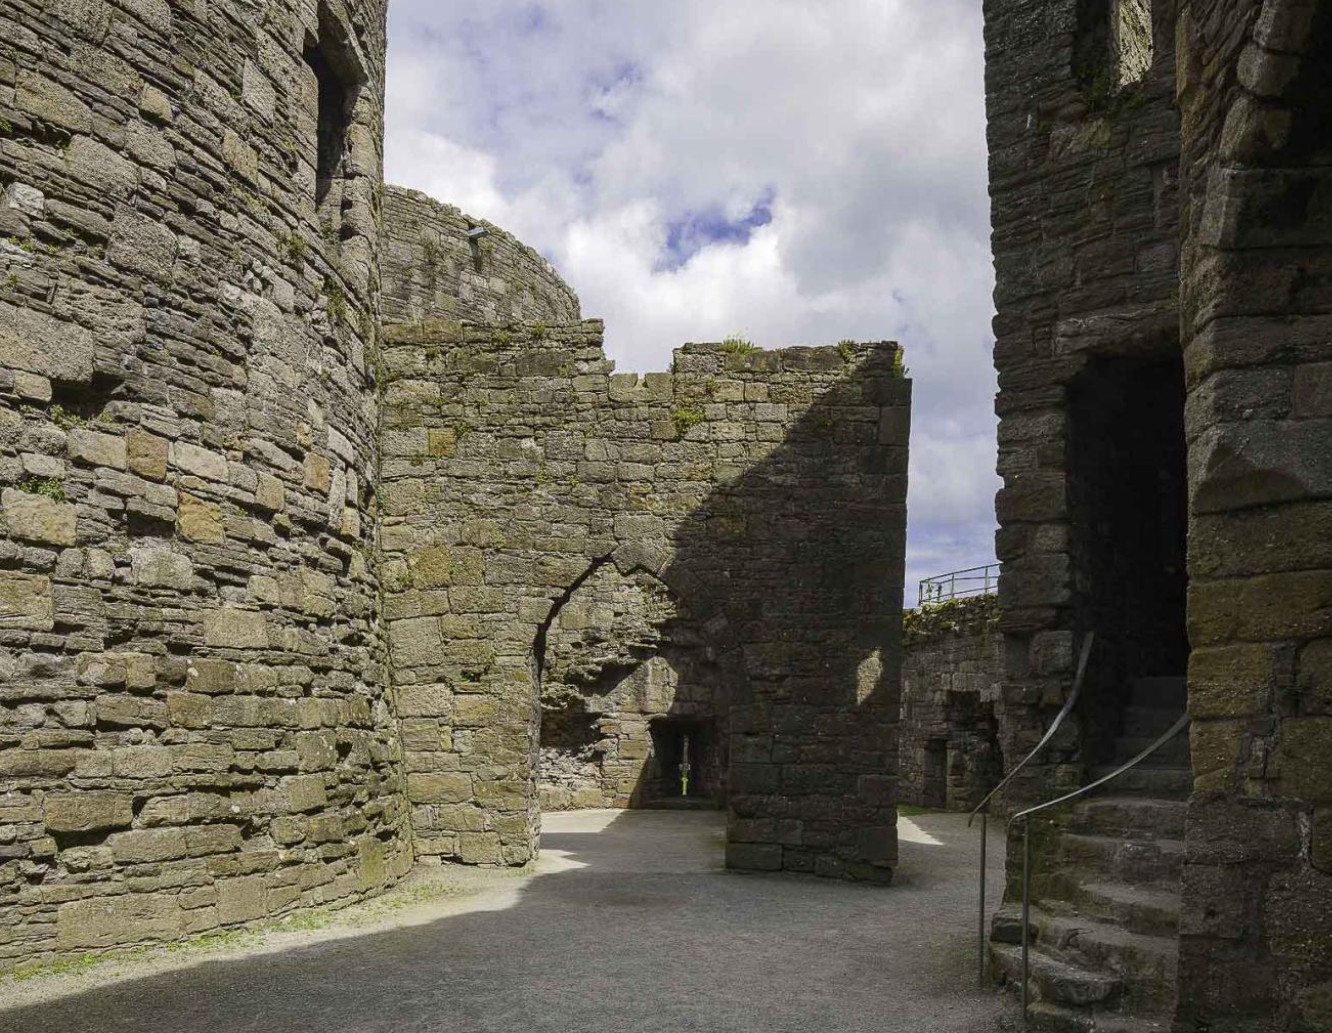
column 628, row 923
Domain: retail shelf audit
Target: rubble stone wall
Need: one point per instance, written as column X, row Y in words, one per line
column 951, row 679
column 194, row 730
column 763, row 490
column 1129, row 226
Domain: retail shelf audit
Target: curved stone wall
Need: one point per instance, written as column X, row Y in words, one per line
column 193, row 725
column 435, row 269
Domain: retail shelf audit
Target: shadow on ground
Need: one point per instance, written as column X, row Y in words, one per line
column 633, row 925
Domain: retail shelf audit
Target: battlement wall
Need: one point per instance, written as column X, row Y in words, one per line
column 760, row 495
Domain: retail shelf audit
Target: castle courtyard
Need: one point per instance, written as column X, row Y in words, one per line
column 628, row 922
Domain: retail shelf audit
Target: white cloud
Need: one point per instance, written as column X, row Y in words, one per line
column 590, row 127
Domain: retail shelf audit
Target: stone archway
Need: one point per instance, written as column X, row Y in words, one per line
column 633, row 700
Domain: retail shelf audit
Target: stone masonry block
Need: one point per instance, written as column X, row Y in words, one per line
column 236, row 629
column 26, row 602
column 86, row 812
column 37, row 518
column 96, row 449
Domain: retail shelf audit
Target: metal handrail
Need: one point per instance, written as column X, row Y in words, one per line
column 1025, row 818
column 942, row 587
column 1067, row 708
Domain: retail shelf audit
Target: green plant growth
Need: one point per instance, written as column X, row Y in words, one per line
column 64, row 419
column 47, row 487
column 950, row 617
column 687, row 416
column 337, row 300
column 12, row 281
column 296, row 247
column 737, row 345
column 847, row 350
column 900, row 371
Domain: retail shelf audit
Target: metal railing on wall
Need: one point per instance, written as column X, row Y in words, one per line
column 959, row 584
column 1023, row 818
column 981, row 808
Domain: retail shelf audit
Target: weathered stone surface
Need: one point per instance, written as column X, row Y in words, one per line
column 951, row 674
column 96, row 449
column 1154, row 171
column 36, row 518
column 26, row 602
column 38, row 343
column 168, row 358
column 236, row 629
column 591, row 537
column 161, row 568
column 146, row 455
column 86, row 812
column 201, row 521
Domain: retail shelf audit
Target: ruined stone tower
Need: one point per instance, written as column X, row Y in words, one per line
column 192, row 662
column 303, row 482
column 1161, row 204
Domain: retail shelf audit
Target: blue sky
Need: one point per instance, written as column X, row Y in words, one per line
column 795, row 172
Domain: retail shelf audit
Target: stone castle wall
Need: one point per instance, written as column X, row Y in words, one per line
column 1084, row 186
column 193, row 725
column 952, row 672
column 1256, row 101
column 763, row 492
column 1184, row 245
column 434, row 268
column 213, row 475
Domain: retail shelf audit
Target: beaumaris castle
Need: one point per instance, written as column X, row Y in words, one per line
column 331, row 543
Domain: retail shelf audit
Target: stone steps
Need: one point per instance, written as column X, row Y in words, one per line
column 1129, row 817
column 1058, row 1018
column 1173, row 754
column 1167, row 783
column 1126, row 860
column 1105, row 896
column 1151, row 911
column 1054, row 980
column 1146, row 965
column 1142, row 967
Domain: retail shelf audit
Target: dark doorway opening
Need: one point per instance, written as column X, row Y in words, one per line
column 934, row 779
column 1128, row 492
column 683, row 767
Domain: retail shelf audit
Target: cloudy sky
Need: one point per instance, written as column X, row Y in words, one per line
column 795, row 171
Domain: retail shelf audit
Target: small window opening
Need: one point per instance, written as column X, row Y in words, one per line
column 1131, row 40
column 1113, row 48
column 684, row 759
column 339, row 80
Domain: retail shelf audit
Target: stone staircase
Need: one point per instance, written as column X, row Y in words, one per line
column 1105, row 887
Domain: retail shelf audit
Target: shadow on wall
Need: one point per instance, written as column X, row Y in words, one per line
column 722, row 544
column 786, row 579
column 631, row 698
column 795, row 568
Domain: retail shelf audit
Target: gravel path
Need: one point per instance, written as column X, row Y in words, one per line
column 629, row 924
